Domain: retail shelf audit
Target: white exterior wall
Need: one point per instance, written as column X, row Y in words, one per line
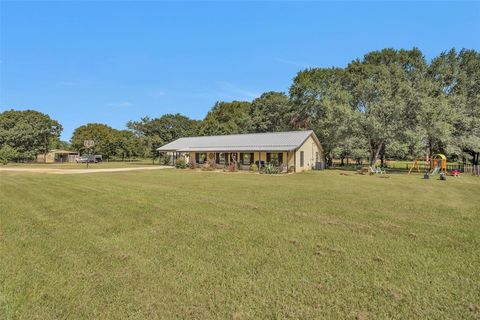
column 291, row 159
column 309, row 148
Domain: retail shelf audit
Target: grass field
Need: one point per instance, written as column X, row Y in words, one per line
column 200, row 245
column 73, row 165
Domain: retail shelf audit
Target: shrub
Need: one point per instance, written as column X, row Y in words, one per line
column 232, row 167
column 254, row 167
column 271, row 169
column 7, row 154
column 181, row 163
column 165, row 159
column 209, row 165
column 192, row 164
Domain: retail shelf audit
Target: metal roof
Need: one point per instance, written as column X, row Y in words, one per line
column 59, row 151
column 274, row 141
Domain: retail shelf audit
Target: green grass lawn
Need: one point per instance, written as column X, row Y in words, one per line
column 73, row 165
column 201, row 245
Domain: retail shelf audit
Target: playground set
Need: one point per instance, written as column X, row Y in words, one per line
column 436, row 164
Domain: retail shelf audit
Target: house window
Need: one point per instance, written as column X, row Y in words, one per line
column 302, row 158
column 316, row 157
column 200, row 157
column 246, row 158
column 221, row 158
column 275, row 158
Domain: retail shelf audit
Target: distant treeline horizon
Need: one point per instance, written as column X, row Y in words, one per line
column 391, row 104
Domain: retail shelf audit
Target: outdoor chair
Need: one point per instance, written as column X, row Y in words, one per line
column 374, row 170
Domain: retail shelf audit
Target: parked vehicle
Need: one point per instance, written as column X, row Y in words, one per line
column 85, row 159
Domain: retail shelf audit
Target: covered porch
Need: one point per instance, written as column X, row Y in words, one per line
column 245, row 159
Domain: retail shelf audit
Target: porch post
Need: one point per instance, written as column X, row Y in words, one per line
column 295, row 161
column 259, row 162
column 288, row 153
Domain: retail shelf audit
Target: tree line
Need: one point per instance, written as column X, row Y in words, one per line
column 390, row 104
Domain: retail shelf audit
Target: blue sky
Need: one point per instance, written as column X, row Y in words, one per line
column 114, row 61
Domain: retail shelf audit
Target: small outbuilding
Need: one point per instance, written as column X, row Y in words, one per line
column 294, row 151
column 57, row 155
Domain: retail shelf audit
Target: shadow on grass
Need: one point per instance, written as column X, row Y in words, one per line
column 388, row 170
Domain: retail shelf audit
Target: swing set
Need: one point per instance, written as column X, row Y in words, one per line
column 436, row 164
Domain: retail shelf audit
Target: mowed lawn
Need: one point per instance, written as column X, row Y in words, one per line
column 200, row 245
column 74, row 165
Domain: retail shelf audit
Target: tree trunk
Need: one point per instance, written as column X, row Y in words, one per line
column 328, row 160
column 382, row 156
column 45, row 150
column 430, row 149
column 374, row 152
column 342, row 161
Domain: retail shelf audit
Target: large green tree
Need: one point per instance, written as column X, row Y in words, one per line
column 106, row 138
column 154, row 133
column 468, row 134
column 271, row 112
column 56, row 143
column 29, row 132
column 351, row 147
column 380, row 86
column 168, row 127
column 129, row 145
column 227, row 118
column 457, row 77
column 322, row 103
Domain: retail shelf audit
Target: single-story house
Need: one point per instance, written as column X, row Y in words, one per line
column 56, row 155
column 294, row 151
